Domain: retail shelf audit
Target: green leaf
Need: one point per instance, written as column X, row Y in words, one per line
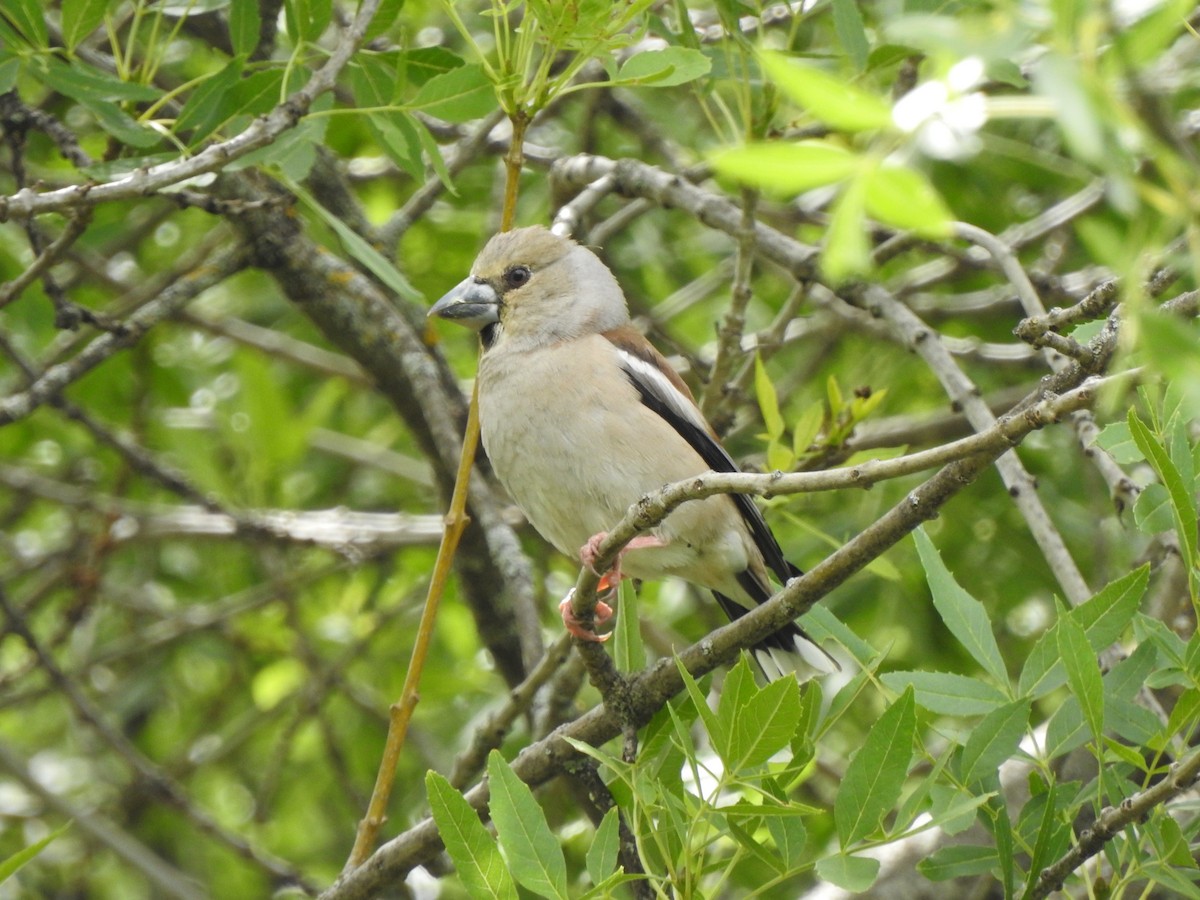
column 1043, row 824
column 120, row 124
column 1184, row 715
column 1103, row 618
column 373, row 78
column 712, row 724
column 963, row 614
column 1083, row 673
column 601, row 856
column 1175, row 846
column 629, row 653
column 785, row 169
column 28, row 17
column 822, row 625
column 277, row 681
column 416, row 67
column 806, row 428
column 257, row 93
column 829, row 99
column 848, row 23
column 397, row 135
column 81, row 82
column 847, row 252
column 904, row 199
column 958, row 861
column 9, row 69
column 534, row 857
column 750, row 843
column 1152, row 511
column 207, row 104
column 1002, row 831
column 952, row 809
column 1183, row 503
column 1170, row 345
column 663, row 68
column 993, row 741
column 765, row 724
column 851, row 873
column 579, row 23
column 790, row 837
column 371, row 258
column 293, row 154
column 474, row 852
column 9, row 866
column 434, row 154
column 308, row 19
column 737, row 692
column 768, row 400
column 874, row 777
column 948, row 694
column 1170, row 878
column 80, row 18
column 1118, row 441
column 459, row 95
column 385, row 18
column 245, row 23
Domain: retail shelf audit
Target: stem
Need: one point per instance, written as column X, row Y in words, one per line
column 456, row 522
column 513, row 160
column 402, row 709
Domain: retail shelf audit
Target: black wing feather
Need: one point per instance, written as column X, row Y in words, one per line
column 718, row 460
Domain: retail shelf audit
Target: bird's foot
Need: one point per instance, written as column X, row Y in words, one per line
column 603, row 613
column 590, row 551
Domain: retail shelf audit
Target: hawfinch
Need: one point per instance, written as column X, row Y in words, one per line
column 581, row 416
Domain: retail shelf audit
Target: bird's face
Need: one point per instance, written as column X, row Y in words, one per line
column 531, row 288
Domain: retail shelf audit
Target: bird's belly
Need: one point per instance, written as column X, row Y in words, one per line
column 545, row 454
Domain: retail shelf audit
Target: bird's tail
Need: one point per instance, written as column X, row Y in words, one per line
column 787, row 652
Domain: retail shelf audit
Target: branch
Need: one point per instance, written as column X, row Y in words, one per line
column 261, row 132
column 51, row 383
column 105, row 832
column 1113, row 819
column 157, row 781
column 76, row 226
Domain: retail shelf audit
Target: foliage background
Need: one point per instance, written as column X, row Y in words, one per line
column 228, row 436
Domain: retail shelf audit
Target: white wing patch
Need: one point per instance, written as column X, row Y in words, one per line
column 658, row 384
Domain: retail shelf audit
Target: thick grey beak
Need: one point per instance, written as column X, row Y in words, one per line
column 472, row 302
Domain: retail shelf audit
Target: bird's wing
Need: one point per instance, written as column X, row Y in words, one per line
column 664, row 393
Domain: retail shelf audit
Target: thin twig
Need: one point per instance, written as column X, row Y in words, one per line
column 1113, row 820
column 260, row 133
column 167, row 304
column 107, row 833
column 716, row 403
column 492, row 732
column 456, row 523
column 402, row 709
column 154, row 778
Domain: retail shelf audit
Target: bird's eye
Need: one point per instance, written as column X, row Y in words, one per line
column 517, row 276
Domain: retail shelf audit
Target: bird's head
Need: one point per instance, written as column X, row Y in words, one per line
column 530, row 288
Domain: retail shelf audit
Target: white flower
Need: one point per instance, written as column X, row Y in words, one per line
column 944, row 115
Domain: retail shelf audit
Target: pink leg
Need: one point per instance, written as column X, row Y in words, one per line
column 589, row 551
column 574, row 626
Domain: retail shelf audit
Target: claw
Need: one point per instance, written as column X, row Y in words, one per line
column 603, row 613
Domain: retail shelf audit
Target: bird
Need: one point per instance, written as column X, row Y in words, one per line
column 580, row 416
